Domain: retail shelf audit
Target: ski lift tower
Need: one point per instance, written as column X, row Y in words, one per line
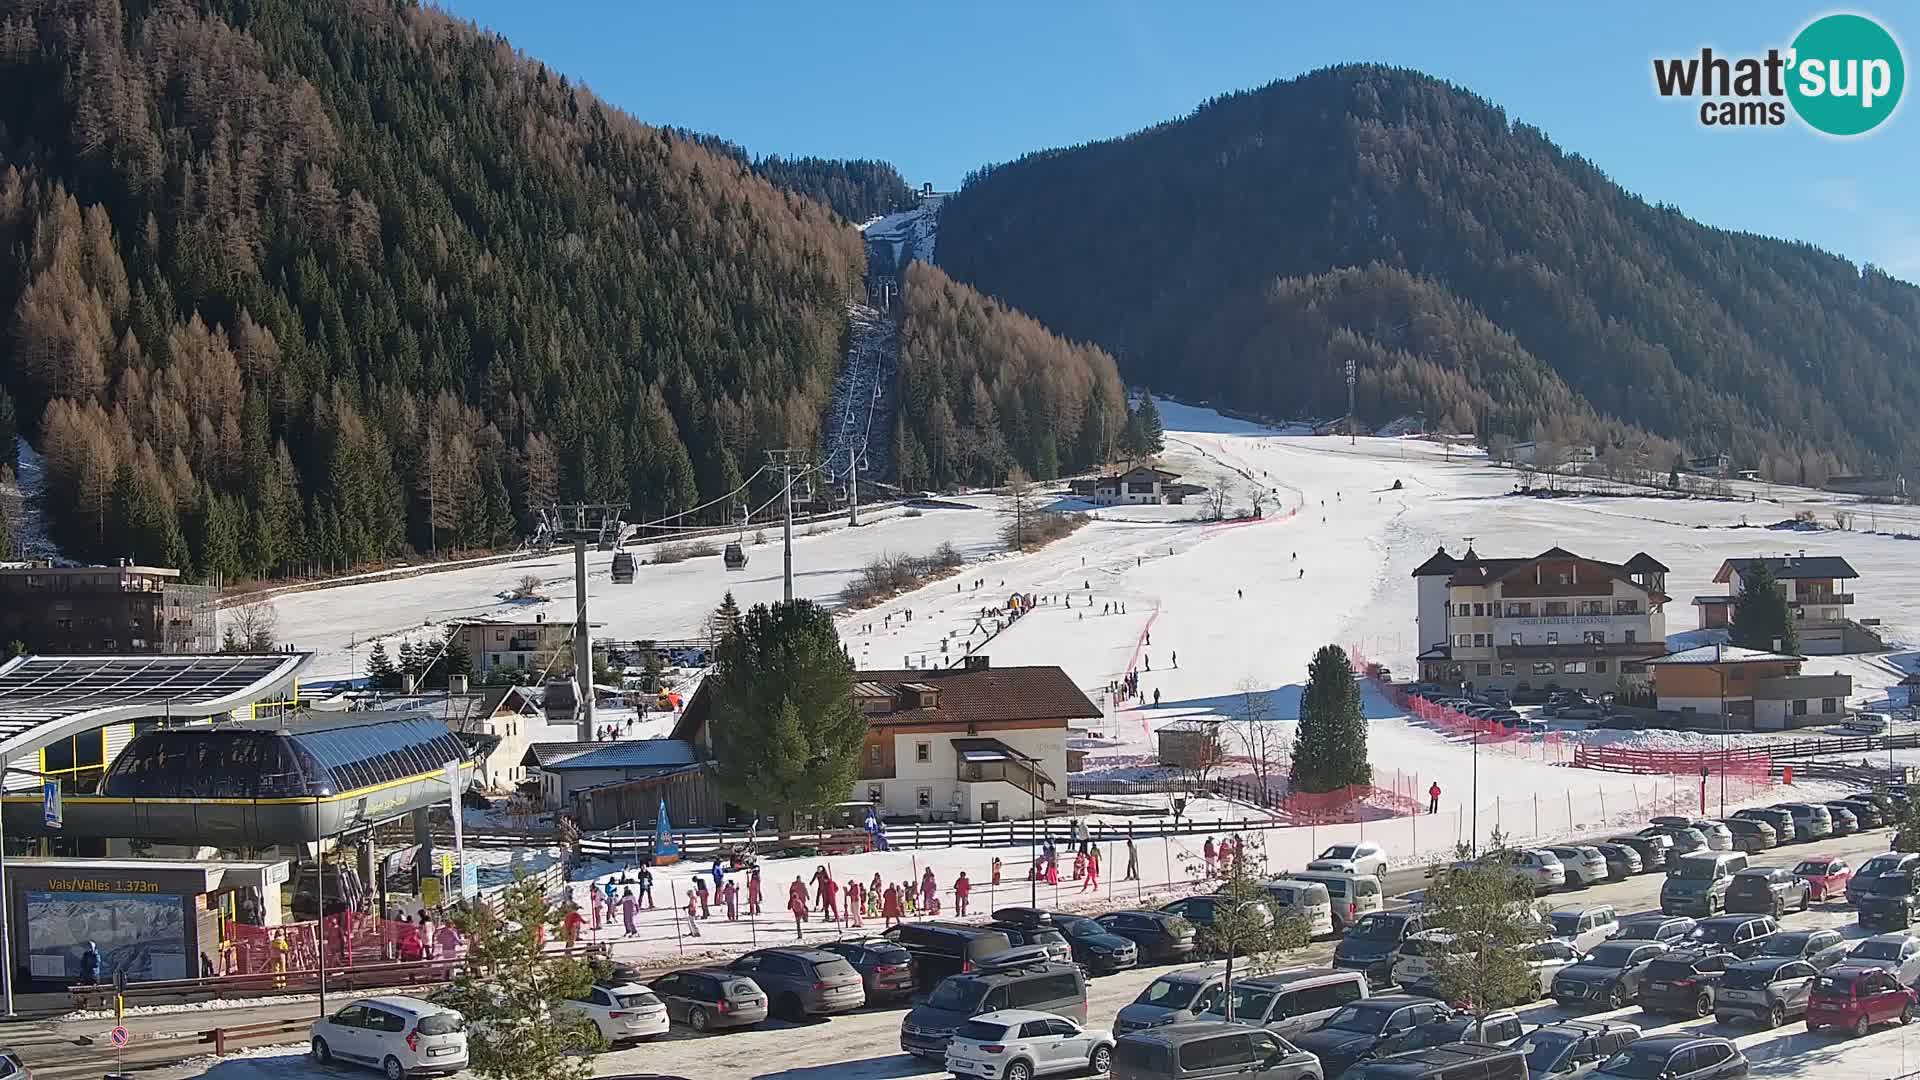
column 598, row 524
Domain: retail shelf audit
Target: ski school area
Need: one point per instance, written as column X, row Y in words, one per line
column 1165, row 620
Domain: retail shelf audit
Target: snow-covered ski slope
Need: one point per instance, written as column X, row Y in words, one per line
column 1230, row 598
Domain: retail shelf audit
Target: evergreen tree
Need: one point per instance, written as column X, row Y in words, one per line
column 6, row 536
column 381, row 672
column 409, row 664
column 787, row 735
column 516, row 993
column 1487, row 907
column 725, row 619
column 500, row 523
column 454, row 660
column 1330, row 747
column 1762, row 618
column 9, row 429
column 1149, row 432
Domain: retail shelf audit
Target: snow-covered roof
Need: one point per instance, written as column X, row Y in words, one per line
column 1721, row 654
column 1791, row 566
column 630, row 754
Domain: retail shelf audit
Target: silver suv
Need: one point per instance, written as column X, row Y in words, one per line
column 1210, row 1050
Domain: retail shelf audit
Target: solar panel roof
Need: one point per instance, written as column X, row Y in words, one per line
column 44, row 698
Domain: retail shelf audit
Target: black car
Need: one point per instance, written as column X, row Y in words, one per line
column 1891, row 862
column 1768, row 890
column 1158, row 937
column 1888, row 902
column 1371, row 943
column 1036, row 936
column 1652, row 852
column 1097, row 949
column 1781, row 820
column 1352, row 1033
column 1845, row 822
column 1865, row 811
column 1571, row 1045
column 1683, row 982
column 1609, row 976
column 1676, row 1057
column 940, row 951
column 1200, row 911
column 1666, row 929
column 1622, row 861
column 1741, row 935
column 885, row 968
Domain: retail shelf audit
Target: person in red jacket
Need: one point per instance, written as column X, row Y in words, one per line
column 753, row 891
column 1433, row 798
column 890, row 906
column 962, row 888
column 797, row 903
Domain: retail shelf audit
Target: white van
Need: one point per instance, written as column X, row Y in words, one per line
column 1354, row 896
column 1307, row 899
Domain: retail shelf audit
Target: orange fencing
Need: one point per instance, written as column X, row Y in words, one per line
column 352, row 939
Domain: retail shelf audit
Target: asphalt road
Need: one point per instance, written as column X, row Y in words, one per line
column 865, row 1045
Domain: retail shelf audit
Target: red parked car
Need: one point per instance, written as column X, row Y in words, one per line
column 1826, row 876
column 1858, row 998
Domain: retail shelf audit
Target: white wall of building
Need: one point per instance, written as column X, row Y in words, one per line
column 937, row 775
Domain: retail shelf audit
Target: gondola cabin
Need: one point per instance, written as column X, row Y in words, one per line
column 735, row 557
column 623, row 567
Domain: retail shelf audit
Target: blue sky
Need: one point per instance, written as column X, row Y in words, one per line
column 939, row 89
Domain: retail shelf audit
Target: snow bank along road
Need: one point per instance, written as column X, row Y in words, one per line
column 865, row 1045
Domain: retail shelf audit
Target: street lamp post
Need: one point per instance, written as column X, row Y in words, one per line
column 320, row 887
column 1473, row 842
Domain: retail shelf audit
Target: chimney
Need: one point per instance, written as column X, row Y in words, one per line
column 539, row 616
column 456, row 684
column 977, row 662
column 406, row 682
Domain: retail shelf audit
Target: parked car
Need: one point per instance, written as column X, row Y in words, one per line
column 1351, row 1033
column 1768, row 890
column 622, row 1012
column 1035, row 936
column 1697, row 882
column 1583, row 864
column 1682, row 982
column 1891, row 862
column 1825, row 875
column 1100, row 950
column 1354, row 896
column 1044, row 986
column 1609, row 976
column 1539, row 866
column 1651, row 849
column 803, row 982
column 1686, row 839
column 1159, row 937
column 1821, row 948
column 1371, row 943
column 1291, row 1003
column 1307, row 900
column 943, row 949
column 1585, row 926
column 1018, row 1044
column 1865, row 811
column 1202, row 910
column 1742, row 935
column 1570, row 1047
column 707, row 998
column 400, row 1036
column 1888, row 901
column 1676, row 1057
column 1546, row 960
column 885, row 968
column 1751, row 834
column 1716, row 833
column 1770, row 990
column 1844, row 821
column 1780, row 820
column 1667, row 929
column 1172, row 998
column 1452, row 1061
column 1810, row 820
column 11, row 1067
column 1210, row 1050
column 1622, row 861
column 1414, row 962
column 1366, row 858
column 1497, row 1028
column 1856, row 998
column 1897, row 954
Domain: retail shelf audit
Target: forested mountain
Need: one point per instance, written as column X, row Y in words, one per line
column 1475, row 271
column 300, row 284
column 856, row 188
column 983, row 387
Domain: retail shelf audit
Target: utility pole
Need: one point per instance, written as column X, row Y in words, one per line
column 1351, row 421
column 789, row 463
column 585, row 523
column 853, row 485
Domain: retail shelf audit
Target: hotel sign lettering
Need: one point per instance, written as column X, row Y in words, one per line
column 1567, row 620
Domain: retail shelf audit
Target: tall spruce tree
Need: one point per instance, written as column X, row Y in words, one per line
column 786, row 732
column 380, row 670
column 1330, row 748
column 1152, row 432
column 1761, row 618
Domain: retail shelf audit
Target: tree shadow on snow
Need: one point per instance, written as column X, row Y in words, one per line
column 892, row 1067
column 1283, row 703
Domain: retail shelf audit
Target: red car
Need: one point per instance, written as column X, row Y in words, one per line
column 1858, row 998
column 1827, row 877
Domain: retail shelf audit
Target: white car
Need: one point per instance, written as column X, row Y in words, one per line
column 1539, row 866
column 400, row 1036
column 1583, row 863
column 1584, row 927
column 1413, row 963
column 622, row 1012
column 1019, row 1044
column 1365, row 858
column 1545, row 959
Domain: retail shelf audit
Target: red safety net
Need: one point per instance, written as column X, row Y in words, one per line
column 352, row 939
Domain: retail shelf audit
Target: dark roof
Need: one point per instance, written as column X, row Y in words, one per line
column 1474, row 570
column 1643, row 563
column 1037, row 695
column 1437, row 564
column 542, row 755
column 1798, row 566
